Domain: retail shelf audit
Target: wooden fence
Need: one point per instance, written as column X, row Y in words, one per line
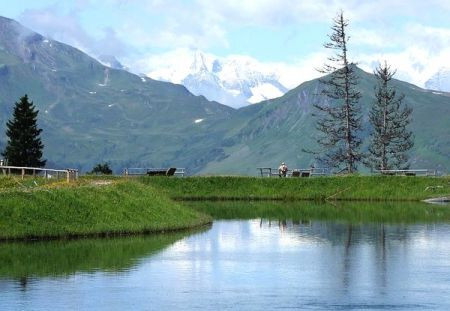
column 68, row 174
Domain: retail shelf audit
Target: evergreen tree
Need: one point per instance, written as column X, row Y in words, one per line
column 339, row 117
column 24, row 146
column 390, row 139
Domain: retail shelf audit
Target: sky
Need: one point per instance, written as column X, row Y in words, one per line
column 411, row 35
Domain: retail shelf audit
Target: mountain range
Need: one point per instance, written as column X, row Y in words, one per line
column 440, row 81
column 92, row 113
column 235, row 81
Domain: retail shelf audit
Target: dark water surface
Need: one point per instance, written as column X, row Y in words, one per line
column 236, row 264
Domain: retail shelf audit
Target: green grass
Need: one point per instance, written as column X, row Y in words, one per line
column 353, row 212
column 369, row 188
column 86, row 209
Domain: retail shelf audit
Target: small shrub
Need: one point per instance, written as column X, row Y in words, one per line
column 101, row 169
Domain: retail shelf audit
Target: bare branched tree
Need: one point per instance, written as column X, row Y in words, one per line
column 339, row 116
column 389, row 117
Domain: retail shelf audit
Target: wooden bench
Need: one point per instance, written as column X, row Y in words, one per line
column 301, row 173
column 412, row 172
column 271, row 172
column 142, row 171
column 161, row 172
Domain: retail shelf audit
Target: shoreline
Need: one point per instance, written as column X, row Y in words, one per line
column 102, row 206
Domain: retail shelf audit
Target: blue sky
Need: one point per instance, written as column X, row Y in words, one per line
column 412, row 35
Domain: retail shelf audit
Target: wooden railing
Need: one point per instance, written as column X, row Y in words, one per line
column 69, row 174
column 412, row 172
column 271, row 172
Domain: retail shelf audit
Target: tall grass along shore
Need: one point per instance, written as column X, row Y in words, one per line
column 364, row 188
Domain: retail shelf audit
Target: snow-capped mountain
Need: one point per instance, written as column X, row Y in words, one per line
column 235, row 81
column 440, row 81
column 111, row 61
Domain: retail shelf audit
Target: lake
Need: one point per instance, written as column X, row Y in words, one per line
column 249, row 264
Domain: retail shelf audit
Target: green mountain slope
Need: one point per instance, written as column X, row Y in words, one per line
column 91, row 113
column 277, row 130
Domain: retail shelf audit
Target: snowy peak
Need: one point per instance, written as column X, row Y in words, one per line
column 440, row 81
column 235, row 81
column 111, row 62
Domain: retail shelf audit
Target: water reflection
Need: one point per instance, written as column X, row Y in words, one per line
column 261, row 263
column 24, row 261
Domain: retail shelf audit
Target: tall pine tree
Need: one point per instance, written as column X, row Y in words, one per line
column 389, row 117
column 24, row 147
column 339, row 117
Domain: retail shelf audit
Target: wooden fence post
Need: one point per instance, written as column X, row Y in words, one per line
column 23, row 173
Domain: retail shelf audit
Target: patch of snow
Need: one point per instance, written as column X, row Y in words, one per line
column 143, row 79
column 264, row 91
column 198, row 120
column 438, row 93
column 122, row 90
column 46, row 41
column 101, row 84
column 54, row 70
column 110, row 105
column 91, row 92
column 46, row 111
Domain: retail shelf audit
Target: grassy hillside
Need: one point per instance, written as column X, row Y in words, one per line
column 96, row 208
column 277, row 130
column 91, row 113
column 376, row 188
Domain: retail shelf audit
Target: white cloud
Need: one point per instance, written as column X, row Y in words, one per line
column 66, row 27
column 377, row 29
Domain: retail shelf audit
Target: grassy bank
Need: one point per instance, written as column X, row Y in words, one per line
column 91, row 207
column 353, row 212
column 370, row 188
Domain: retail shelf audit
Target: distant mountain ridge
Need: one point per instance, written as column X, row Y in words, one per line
column 92, row 113
column 440, row 81
column 235, row 81
column 277, row 130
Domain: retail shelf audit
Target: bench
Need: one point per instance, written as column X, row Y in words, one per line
column 161, row 172
column 412, row 172
column 300, row 173
column 141, row 171
column 271, row 172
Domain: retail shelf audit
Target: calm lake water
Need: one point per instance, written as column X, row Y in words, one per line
column 236, row 264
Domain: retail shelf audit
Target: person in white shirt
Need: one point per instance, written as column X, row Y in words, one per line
column 282, row 170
